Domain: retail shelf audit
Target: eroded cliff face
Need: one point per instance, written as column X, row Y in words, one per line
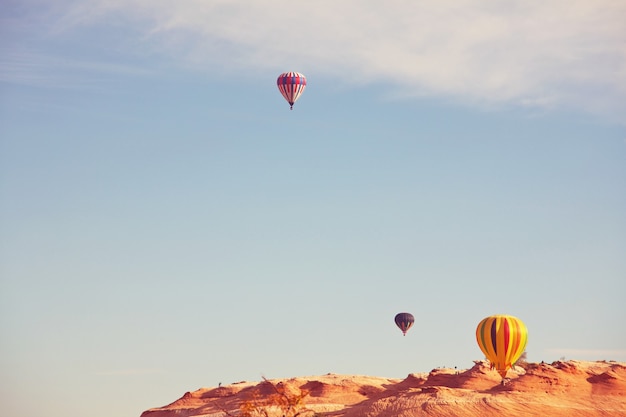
column 572, row 388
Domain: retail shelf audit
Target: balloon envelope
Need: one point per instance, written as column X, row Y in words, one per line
column 291, row 85
column 404, row 321
column 502, row 339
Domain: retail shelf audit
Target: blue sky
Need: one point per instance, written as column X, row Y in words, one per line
column 167, row 223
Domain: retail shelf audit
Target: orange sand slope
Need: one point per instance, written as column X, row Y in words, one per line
column 572, row 388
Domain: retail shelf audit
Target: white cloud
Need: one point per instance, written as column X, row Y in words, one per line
column 565, row 53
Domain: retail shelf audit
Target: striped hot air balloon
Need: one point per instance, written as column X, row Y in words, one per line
column 404, row 321
column 502, row 339
column 291, row 86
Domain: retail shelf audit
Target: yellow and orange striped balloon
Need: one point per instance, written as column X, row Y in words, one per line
column 502, row 339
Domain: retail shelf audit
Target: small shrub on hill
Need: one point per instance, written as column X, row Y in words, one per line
column 280, row 403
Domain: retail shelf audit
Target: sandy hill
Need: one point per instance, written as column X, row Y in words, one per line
column 572, row 388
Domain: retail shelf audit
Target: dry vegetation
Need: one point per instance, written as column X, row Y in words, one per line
column 280, row 403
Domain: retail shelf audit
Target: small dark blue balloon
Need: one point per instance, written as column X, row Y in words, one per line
column 404, row 321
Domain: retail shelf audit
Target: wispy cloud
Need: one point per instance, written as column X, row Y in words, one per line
column 32, row 67
column 130, row 372
column 595, row 354
column 559, row 53
column 35, row 52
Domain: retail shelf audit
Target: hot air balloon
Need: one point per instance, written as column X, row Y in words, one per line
column 502, row 339
column 291, row 86
column 404, row 321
